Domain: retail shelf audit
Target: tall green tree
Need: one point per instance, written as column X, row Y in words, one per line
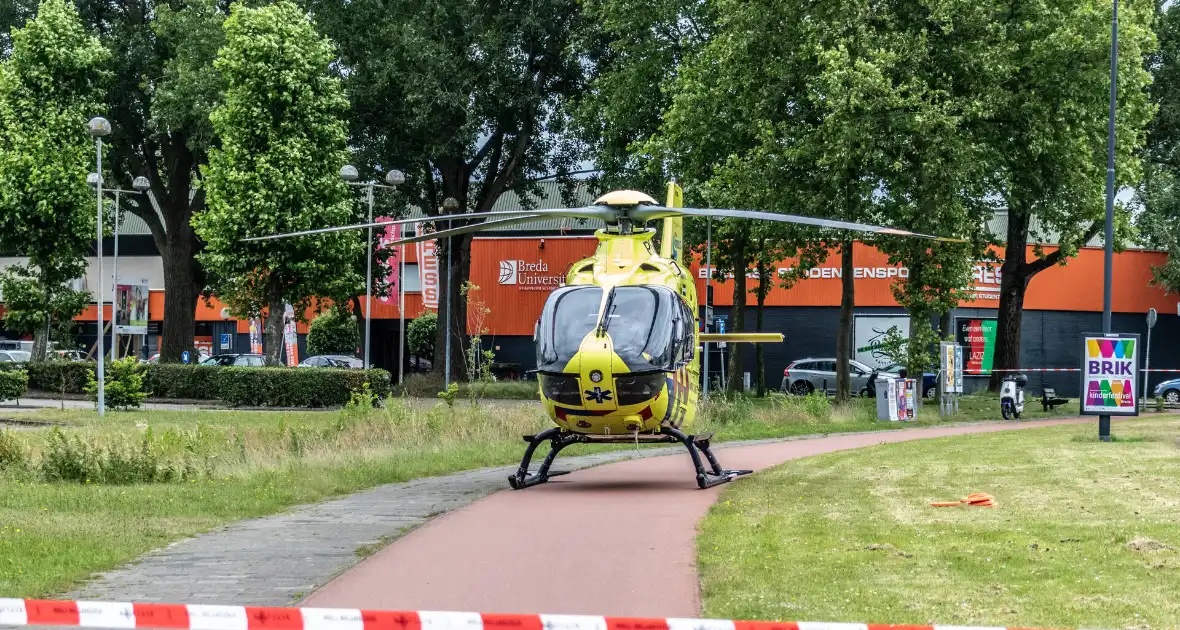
column 1047, row 134
column 161, row 92
column 283, row 141
column 1159, row 192
column 467, row 98
column 49, row 87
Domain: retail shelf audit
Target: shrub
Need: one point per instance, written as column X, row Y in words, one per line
column 12, row 453
column 13, row 384
column 197, row 382
column 61, row 377
column 70, row 458
column 420, row 334
column 124, row 384
column 424, row 385
column 333, row 332
column 302, row 387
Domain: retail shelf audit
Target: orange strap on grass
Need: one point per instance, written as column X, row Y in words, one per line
column 978, row 499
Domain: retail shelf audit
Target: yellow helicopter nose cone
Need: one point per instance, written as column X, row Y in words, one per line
column 625, row 198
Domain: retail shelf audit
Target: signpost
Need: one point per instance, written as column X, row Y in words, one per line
column 225, row 341
column 1109, row 373
column 1152, row 316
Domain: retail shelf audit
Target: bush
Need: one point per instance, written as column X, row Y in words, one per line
column 124, row 384
column 429, row 384
column 13, row 385
column 333, row 332
column 173, row 380
column 420, row 335
column 70, row 458
column 60, row 377
column 301, row 387
column 13, row 454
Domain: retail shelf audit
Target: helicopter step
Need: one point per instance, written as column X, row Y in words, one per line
column 560, row 438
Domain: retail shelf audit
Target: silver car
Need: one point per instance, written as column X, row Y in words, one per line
column 808, row 375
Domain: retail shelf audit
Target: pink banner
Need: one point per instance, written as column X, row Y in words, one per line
column 390, row 234
column 428, row 270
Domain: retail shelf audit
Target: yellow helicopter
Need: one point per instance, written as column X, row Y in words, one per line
column 618, row 345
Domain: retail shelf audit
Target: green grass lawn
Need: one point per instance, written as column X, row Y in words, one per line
column 1085, row 533
column 231, row 465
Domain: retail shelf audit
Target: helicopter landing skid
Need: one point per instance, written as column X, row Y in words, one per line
column 559, row 439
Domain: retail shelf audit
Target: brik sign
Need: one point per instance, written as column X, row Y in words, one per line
column 1109, row 375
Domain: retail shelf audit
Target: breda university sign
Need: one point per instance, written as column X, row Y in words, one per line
column 1110, row 375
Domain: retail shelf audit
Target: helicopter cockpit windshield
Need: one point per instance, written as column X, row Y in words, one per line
column 650, row 326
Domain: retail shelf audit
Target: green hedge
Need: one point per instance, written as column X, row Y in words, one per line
column 241, row 386
column 197, row 382
column 300, row 387
column 13, row 384
column 58, row 377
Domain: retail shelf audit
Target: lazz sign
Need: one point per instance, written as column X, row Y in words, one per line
column 1110, row 374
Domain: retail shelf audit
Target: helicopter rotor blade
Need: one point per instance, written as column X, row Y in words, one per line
column 466, row 229
column 589, row 212
column 649, row 213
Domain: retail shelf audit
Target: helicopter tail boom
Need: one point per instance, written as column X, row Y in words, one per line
column 741, row 337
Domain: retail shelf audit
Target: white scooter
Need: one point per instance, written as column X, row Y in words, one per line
column 1012, row 396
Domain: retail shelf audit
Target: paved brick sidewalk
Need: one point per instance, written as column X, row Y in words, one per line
column 275, row 560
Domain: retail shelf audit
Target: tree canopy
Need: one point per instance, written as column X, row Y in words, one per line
column 283, row 142
column 50, row 86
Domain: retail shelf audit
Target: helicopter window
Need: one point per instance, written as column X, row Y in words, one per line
column 570, row 314
column 653, row 331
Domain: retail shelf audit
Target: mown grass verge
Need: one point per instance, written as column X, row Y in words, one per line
column 94, row 494
column 1084, row 534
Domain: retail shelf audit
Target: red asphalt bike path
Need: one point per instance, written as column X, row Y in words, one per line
column 616, row 540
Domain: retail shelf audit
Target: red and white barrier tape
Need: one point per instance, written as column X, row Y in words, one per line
column 22, row 612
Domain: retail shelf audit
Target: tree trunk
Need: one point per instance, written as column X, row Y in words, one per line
column 1012, row 288
column 182, row 289
column 739, row 312
column 460, row 269
column 273, row 332
column 844, row 336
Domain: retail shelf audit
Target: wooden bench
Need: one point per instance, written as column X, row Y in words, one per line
column 1049, row 399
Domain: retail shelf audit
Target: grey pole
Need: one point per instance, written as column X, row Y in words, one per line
column 1151, row 319
column 369, row 280
column 447, row 323
column 1108, row 262
column 99, row 127
column 115, row 288
column 708, row 303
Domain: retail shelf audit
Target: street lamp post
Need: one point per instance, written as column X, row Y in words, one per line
column 393, row 179
column 1108, row 258
column 141, row 185
column 98, row 127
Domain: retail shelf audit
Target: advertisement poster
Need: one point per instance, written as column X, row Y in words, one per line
column 390, row 234
column 290, row 336
column 869, row 334
column 959, row 369
column 131, row 306
column 1109, row 375
column 978, row 338
column 255, row 336
column 946, row 365
column 428, row 270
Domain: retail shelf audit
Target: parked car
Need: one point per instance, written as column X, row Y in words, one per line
column 340, row 361
column 68, row 355
column 237, row 360
column 14, row 356
column 929, row 379
column 1169, row 390
column 808, row 375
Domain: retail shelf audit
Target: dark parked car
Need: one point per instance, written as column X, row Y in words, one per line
column 929, row 379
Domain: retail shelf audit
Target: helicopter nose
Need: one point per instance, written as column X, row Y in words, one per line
column 598, row 389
